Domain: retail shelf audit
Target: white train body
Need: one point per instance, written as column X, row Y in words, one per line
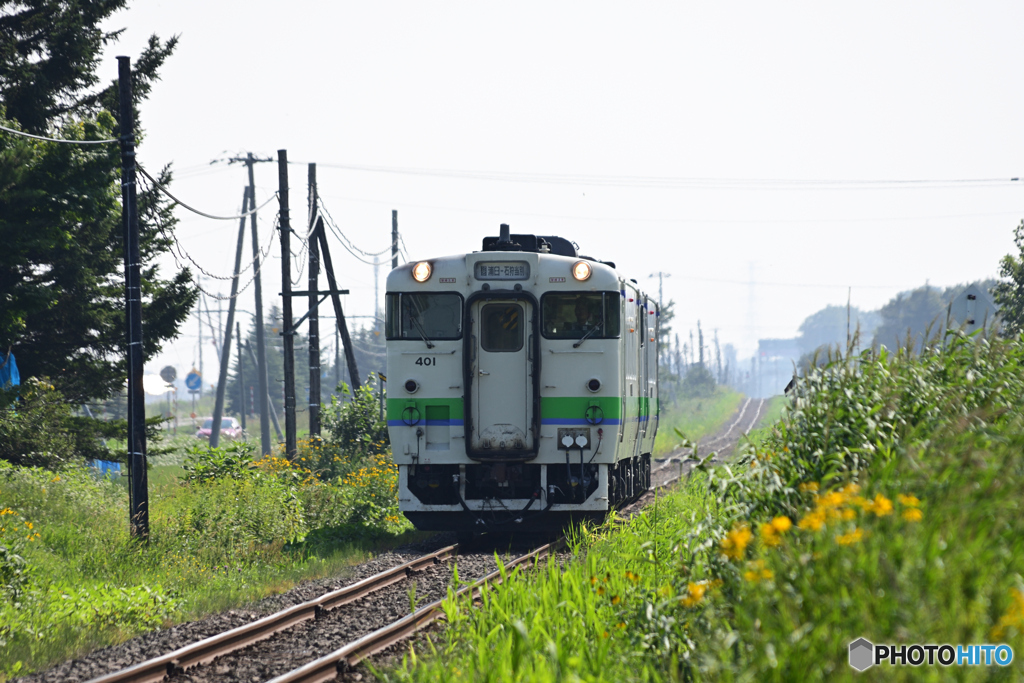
column 519, row 394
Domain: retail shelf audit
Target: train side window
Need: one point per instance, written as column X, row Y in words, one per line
column 501, row 327
column 419, row 315
column 571, row 315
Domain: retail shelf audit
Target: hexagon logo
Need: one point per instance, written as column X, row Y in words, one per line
column 862, row 654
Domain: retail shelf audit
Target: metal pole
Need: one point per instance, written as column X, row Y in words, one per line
column 314, row 318
column 138, row 492
column 225, row 349
column 286, row 308
column 261, row 349
column 241, row 373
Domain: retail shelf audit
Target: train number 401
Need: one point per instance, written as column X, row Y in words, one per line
column 426, row 361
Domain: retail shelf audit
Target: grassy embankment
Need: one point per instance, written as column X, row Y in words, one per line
column 226, row 529
column 886, row 504
column 694, row 418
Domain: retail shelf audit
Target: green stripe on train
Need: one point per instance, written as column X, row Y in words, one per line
column 576, row 406
column 396, row 406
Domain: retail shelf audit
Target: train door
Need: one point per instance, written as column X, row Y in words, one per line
column 645, row 395
column 502, row 377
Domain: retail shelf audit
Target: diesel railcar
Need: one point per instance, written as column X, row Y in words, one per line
column 523, row 386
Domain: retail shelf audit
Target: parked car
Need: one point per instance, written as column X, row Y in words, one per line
column 229, row 429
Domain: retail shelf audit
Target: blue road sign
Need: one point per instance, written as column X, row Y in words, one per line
column 193, row 380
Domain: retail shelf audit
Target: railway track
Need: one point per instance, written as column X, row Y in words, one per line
column 298, row 644
column 722, row 444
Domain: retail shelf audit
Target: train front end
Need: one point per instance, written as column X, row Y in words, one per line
column 506, row 387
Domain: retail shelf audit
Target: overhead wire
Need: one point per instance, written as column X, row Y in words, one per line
column 345, row 239
column 656, row 182
column 197, row 211
column 179, row 250
column 48, row 139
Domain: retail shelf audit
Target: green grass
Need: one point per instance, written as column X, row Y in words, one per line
column 885, row 504
column 771, row 414
column 82, row 582
column 694, row 418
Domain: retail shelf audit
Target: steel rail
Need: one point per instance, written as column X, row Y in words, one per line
column 208, row 649
column 329, row 666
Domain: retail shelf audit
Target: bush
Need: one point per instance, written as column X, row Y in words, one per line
column 205, row 463
column 356, row 426
column 35, row 426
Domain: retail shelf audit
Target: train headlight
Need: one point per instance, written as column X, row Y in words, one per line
column 411, row 386
column 581, row 270
column 421, row 271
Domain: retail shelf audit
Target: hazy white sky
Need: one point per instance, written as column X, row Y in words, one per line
column 596, row 121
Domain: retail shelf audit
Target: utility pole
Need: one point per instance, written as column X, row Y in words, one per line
column 335, row 293
column 337, row 358
column 394, row 239
column 286, row 308
column 661, row 291
column 273, row 410
column 199, row 317
column 314, row 318
column 261, row 348
column 225, row 349
column 241, row 366
column 138, row 491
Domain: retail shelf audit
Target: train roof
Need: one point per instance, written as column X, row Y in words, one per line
column 537, row 244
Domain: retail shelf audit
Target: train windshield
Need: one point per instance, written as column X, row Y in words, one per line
column 594, row 315
column 424, row 316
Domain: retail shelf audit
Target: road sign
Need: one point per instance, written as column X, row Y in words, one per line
column 193, row 380
column 169, row 374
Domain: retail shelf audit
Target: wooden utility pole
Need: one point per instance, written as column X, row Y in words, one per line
column 288, row 333
column 332, row 285
column 394, row 239
column 261, row 348
column 138, row 490
column 313, row 337
column 225, row 349
column 241, row 374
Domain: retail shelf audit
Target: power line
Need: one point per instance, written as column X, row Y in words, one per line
column 678, row 182
column 179, row 250
column 69, row 142
column 694, row 221
column 197, row 211
column 368, row 254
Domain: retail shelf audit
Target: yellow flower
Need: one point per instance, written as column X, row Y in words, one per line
column 854, row 536
column 881, row 506
column 813, row 521
column 769, row 536
column 600, row 590
column 1014, row 616
column 910, row 501
column 811, row 486
column 848, row 514
column 616, row 600
column 912, row 515
column 782, row 524
column 694, row 593
column 756, row 572
column 735, row 542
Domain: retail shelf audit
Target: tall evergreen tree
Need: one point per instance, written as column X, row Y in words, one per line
column 1009, row 293
column 61, row 268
